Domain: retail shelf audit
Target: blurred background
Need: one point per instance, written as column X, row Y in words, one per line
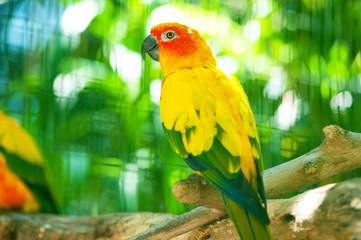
column 71, row 73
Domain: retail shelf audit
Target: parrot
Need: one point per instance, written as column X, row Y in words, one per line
column 24, row 184
column 208, row 121
column 14, row 194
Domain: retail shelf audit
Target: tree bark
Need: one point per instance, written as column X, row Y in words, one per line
column 19, row 226
column 340, row 152
column 180, row 224
column 329, row 212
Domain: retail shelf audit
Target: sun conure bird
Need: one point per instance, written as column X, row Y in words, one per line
column 14, row 194
column 23, row 181
column 208, row 121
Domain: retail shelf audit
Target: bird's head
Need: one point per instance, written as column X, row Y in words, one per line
column 177, row 46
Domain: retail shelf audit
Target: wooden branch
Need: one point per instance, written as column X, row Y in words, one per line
column 340, row 152
column 329, row 212
column 19, row 226
column 180, row 224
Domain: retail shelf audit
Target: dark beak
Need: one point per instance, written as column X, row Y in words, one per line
column 150, row 46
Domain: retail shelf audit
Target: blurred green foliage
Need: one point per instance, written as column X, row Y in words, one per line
column 72, row 74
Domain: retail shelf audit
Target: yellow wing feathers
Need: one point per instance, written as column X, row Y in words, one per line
column 212, row 106
column 16, row 140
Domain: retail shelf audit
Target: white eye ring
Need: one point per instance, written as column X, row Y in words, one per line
column 170, row 35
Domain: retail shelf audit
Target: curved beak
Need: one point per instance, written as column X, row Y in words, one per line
column 150, row 46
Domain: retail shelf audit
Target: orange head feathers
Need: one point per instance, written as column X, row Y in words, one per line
column 177, row 46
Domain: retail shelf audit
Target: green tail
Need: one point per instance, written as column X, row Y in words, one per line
column 248, row 226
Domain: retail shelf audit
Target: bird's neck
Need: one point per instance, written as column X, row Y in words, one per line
column 200, row 59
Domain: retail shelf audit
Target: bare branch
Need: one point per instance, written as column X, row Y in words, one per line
column 180, row 224
column 340, row 152
column 19, row 226
column 329, row 212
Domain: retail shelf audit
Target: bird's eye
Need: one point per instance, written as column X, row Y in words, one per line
column 170, row 34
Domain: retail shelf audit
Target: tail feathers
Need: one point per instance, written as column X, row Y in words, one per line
column 248, row 226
